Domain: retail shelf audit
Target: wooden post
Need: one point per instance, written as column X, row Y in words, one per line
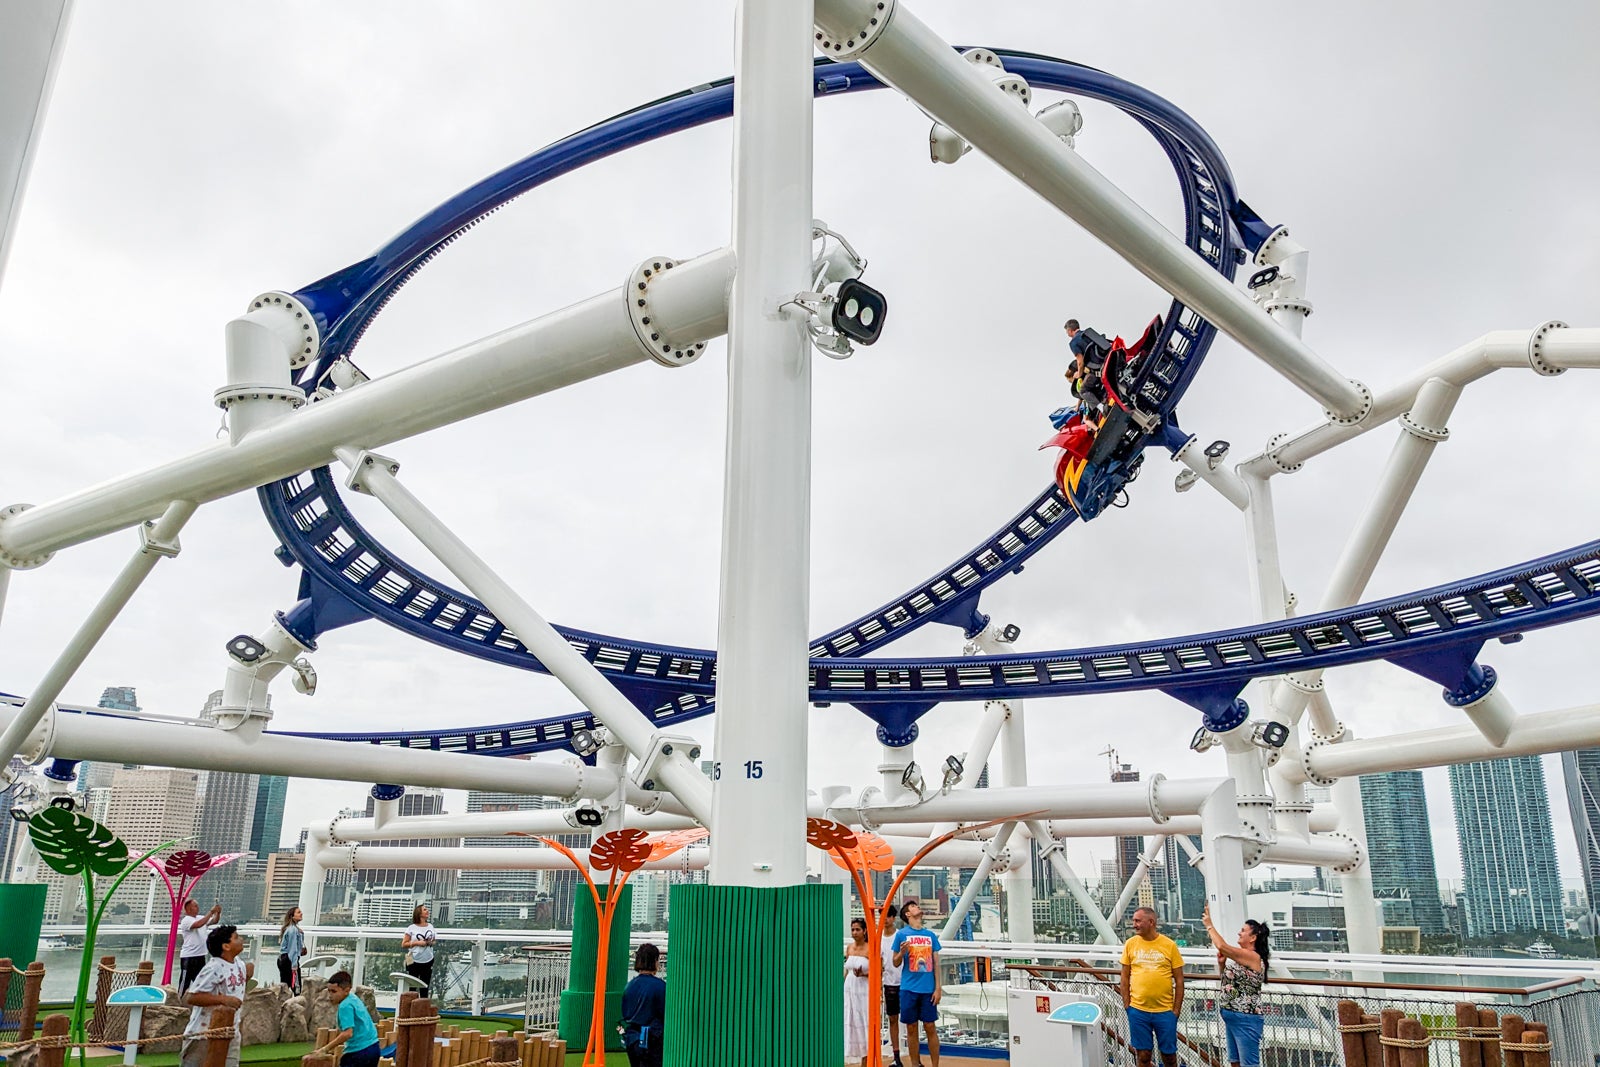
column 1536, row 1033
column 402, row 1039
column 1511, row 1027
column 420, row 1037
column 55, row 1026
column 502, row 1048
column 1412, row 1030
column 32, row 984
column 1490, row 1049
column 105, row 975
column 144, row 973
column 316, row 1059
column 1469, row 1052
column 1389, row 1019
column 217, row 1047
column 1372, row 1039
column 1355, row 1050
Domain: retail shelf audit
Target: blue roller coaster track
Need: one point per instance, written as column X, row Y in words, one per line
column 349, row 576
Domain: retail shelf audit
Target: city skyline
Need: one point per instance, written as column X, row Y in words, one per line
column 1503, row 825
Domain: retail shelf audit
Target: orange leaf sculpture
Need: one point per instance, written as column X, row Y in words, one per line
column 665, row 845
column 827, row 834
column 620, row 850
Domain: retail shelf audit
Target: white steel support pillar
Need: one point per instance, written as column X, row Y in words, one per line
column 1140, row 869
column 1057, row 857
column 969, row 892
column 904, row 52
column 1360, row 904
column 1017, row 882
column 1223, row 850
column 759, row 804
column 312, row 875
column 157, row 540
column 669, row 764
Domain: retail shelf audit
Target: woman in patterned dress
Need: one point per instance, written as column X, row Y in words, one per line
column 1244, row 971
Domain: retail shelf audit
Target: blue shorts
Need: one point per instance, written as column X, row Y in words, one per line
column 1158, row 1028
column 917, row 1007
column 1244, row 1037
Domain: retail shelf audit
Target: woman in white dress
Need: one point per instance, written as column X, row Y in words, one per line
column 858, row 1029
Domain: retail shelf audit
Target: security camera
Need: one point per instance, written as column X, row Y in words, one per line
column 246, row 649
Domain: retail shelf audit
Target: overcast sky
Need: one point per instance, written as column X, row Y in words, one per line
column 1440, row 163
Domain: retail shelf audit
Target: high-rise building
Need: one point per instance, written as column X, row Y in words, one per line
column 266, row 823
column 1186, row 885
column 504, row 898
column 1400, row 843
column 283, row 883
column 1580, row 772
column 227, row 808
column 120, row 698
column 1508, row 854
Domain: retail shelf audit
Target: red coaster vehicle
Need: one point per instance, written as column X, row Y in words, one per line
column 1101, row 451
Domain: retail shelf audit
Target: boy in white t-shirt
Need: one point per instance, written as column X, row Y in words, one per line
column 891, row 982
column 220, row 984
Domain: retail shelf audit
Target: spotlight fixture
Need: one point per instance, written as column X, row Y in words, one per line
column 1063, row 119
column 858, row 310
column 1202, row 741
column 1215, row 452
column 1009, row 633
column 20, row 813
column 953, row 770
column 586, row 742
column 305, row 677
column 246, row 649
column 588, row 815
column 64, row 801
column 1270, row 735
column 911, row 778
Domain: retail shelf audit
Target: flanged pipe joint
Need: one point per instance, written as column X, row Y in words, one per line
column 264, row 346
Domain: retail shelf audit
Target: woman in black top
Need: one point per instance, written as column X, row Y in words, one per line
column 644, row 1010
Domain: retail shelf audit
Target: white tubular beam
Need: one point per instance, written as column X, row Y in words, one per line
column 1140, row 869
column 157, row 540
column 1018, row 883
column 312, row 876
column 1132, row 800
column 977, row 754
column 424, row 858
column 1530, row 735
column 32, row 38
column 1322, row 818
column 583, row 341
column 763, row 618
column 1559, row 349
column 5, row 586
column 1493, row 715
column 1360, row 903
column 969, row 892
column 375, row 475
column 915, row 60
column 488, row 824
column 1311, row 852
column 1261, row 535
column 118, row 739
column 1057, row 856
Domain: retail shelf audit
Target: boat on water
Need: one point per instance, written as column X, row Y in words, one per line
column 1542, row 950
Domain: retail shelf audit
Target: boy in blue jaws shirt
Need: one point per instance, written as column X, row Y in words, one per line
column 916, row 953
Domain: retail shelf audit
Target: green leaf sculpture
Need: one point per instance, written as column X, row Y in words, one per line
column 72, row 844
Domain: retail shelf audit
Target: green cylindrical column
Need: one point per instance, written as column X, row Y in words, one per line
column 577, row 1000
column 23, row 906
column 756, row 977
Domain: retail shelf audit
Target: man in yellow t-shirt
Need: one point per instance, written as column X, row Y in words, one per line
column 1152, row 989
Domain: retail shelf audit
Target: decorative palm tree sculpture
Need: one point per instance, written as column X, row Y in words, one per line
column 188, row 866
column 859, row 852
column 69, row 844
column 621, row 852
